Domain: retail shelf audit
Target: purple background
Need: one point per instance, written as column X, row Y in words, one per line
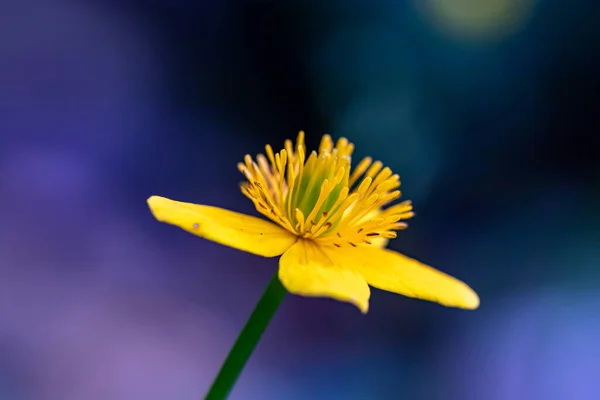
column 489, row 115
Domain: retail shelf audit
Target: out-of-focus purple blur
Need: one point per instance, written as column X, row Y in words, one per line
column 488, row 110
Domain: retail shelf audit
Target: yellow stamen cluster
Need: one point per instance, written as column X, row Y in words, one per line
column 317, row 198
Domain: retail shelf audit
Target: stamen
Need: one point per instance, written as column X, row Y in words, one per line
column 360, row 169
column 375, row 167
column 288, row 147
column 326, row 144
column 324, row 193
column 316, row 197
column 300, row 219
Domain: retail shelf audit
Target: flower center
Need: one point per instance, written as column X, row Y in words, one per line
column 317, row 198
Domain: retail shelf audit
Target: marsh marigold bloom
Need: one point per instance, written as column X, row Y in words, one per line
column 330, row 225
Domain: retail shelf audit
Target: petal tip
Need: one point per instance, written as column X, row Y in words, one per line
column 154, row 200
column 361, row 303
column 156, row 204
column 471, row 299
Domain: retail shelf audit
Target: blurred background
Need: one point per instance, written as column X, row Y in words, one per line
column 488, row 110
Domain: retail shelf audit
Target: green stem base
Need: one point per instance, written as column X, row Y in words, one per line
column 247, row 340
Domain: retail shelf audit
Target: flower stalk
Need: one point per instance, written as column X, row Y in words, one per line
column 247, row 340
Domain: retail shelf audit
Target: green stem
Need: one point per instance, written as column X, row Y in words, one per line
column 247, row 340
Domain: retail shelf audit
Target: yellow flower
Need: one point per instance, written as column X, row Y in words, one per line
column 331, row 226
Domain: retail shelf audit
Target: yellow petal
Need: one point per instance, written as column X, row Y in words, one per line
column 394, row 272
column 308, row 270
column 243, row 232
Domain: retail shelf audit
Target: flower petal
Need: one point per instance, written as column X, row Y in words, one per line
column 394, row 272
column 308, row 270
column 243, row 232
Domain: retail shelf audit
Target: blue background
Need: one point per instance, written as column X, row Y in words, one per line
column 489, row 111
